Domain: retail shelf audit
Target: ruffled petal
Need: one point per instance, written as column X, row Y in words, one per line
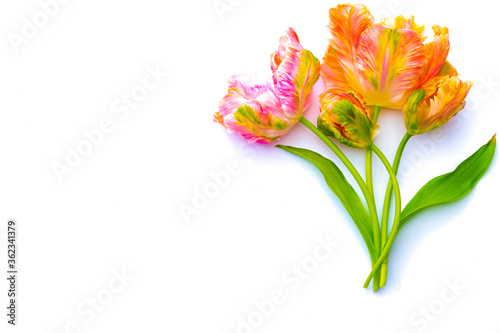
column 431, row 85
column 436, row 53
column 244, row 88
column 347, row 23
column 256, row 123
column 253, row 110
column 295, row 75
column 401, row 22
column 390, row 62
column 448, row 99
column 278, row 56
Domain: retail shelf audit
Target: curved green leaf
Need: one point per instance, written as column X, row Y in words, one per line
column 343, row 190
column 454, row 185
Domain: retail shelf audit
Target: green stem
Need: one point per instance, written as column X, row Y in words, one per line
column 387, row 205
column 366, row 193
column 369, row 174
column 369, row 184
column 397, row 215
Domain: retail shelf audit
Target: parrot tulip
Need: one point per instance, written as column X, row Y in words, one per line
column 263, row 111
column 384, row 62
column 434, row 105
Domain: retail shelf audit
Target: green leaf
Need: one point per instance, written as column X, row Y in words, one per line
column 343, row 190
column 454, row 185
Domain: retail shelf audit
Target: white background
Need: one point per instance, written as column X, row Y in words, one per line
column 119, row 209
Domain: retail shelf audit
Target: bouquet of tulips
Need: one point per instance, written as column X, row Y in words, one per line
column 367, row 66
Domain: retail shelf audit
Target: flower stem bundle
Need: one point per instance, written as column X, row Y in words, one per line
column 367, row 67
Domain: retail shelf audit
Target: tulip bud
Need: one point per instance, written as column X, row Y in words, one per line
column 435, row 104
column 344, row 117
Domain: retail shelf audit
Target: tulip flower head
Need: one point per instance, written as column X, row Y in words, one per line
column 263, row 111
column 344, row 117
column 384, row 62
column 433, row 106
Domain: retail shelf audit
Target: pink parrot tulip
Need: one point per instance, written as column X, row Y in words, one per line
column 263, row 111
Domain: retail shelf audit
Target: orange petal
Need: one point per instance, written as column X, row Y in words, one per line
column 436, row 53
column 444, row 98
column 332, row 72
column 390, row 62
column 448, row 99
column 347, row 23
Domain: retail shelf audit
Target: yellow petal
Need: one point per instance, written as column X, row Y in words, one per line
column 444, row 97
column 401, row 22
